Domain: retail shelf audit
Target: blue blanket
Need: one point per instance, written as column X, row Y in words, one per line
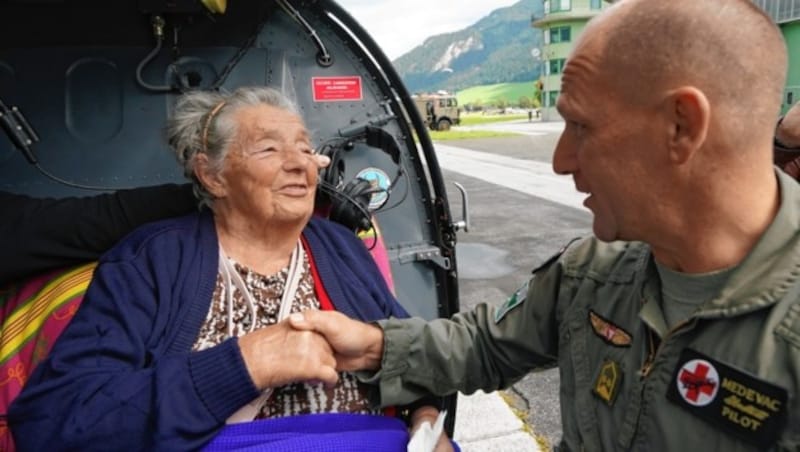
column 314, row 433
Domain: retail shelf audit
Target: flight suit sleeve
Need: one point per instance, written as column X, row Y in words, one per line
column 486, row 348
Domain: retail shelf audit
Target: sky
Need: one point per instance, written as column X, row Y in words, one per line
column 400, row 25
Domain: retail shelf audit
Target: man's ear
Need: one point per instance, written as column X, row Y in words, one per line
column 689, row 114
column 213, row 181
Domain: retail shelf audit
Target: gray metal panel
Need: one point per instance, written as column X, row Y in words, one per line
column 99, row 127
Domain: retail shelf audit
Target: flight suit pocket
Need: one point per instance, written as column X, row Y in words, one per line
column 576, row 376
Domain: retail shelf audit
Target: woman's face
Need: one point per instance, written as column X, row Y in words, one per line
column 270, row 172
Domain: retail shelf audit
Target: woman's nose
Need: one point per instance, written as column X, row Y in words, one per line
column 297, row 158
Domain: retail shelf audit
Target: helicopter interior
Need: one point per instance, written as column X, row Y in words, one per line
column 87, row 86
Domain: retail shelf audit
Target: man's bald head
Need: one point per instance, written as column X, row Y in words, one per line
column 728, row 49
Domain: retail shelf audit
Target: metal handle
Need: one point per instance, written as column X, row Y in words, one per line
column 464, row 222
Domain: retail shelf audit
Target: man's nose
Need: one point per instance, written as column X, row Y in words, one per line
column 564, row 157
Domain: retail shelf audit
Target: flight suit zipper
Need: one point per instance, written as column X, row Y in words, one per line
column 654, row 349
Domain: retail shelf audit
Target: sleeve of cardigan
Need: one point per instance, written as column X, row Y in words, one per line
column 42, row 234
column 109, row 382
column 372, row 277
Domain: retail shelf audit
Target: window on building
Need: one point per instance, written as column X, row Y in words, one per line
column 596, row 4
column 560, row 5
column 556, row 66
column 552, row 97
column 560, row 34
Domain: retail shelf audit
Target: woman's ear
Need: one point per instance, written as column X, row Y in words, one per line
column 211, row 180
column 689, row 114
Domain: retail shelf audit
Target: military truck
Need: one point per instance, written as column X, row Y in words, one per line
column 439, row 111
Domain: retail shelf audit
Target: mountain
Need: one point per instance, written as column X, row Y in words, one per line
column 496, row 49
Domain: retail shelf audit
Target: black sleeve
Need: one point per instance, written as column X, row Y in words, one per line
column 41, row 234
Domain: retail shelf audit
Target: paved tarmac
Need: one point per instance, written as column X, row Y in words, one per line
column 521, row 214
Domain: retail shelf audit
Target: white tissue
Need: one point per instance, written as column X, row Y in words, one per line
column 426, row 437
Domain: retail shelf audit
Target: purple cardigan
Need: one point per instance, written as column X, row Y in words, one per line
column 122, row 375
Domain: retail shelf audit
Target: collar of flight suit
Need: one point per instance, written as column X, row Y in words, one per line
column 771, row 268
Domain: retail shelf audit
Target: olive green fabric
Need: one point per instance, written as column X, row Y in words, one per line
column 753, row 324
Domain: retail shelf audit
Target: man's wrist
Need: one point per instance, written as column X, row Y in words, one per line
column 374, row 354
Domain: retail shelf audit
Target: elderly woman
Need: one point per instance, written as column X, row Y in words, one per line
column 182, row 328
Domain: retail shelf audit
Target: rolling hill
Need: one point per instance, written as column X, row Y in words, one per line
column 496, row 49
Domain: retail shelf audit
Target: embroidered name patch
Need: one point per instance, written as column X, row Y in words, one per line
column 609, row 332
column 744, row 405
column 513, row 301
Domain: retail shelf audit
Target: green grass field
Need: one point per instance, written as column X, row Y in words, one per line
column 471, row 119
column 454, row 134
column 489, row 94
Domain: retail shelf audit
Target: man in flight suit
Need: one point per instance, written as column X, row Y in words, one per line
column 676, row 327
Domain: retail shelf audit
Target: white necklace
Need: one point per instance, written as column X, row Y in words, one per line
column 248, row 412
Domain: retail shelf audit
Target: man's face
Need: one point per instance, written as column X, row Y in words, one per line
column 608, row 145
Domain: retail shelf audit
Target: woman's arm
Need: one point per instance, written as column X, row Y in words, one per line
column 121, row 376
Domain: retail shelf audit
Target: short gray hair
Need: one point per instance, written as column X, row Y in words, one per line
column 202, row 122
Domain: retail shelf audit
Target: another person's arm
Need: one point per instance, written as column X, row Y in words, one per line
column 37, row 235
column 473, row 350
column 787, row 142
column 788, row 131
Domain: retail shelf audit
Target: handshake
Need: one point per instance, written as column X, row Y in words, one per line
column 311, row 346
column 314, row 346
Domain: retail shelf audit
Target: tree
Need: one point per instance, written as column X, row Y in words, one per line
column 538, row 88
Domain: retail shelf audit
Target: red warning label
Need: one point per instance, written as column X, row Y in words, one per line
column 331, row 89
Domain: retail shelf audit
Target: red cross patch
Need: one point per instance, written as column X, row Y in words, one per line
column 698, row 382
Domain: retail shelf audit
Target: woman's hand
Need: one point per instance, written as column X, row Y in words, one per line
column 278, row 355
column 430, row 414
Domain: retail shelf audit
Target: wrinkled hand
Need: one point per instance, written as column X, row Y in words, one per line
column 429, row 414
column 278, row 355
column 357, row 345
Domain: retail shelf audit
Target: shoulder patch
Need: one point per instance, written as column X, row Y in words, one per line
column 513, row 301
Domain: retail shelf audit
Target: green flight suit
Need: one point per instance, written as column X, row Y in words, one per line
column 595, row 313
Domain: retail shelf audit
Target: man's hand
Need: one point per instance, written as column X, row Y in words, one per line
column 356, row 345
column 788, row 132
column 278, row 355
